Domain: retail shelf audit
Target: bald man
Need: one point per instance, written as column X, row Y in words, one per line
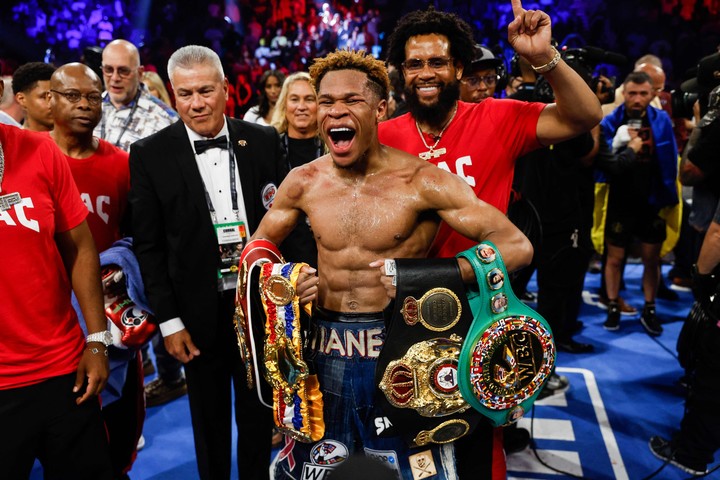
column 129, row 112
column 101, row 170
column 102, row 175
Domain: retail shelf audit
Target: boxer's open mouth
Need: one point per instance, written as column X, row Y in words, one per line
column 341, row 137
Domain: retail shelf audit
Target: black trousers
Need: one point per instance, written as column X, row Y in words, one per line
column 699, row 436
column 474, row 454
column 43, row 421
column 562, row 265
column 211, row 378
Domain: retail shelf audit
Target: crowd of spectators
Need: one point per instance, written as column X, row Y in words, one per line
column 252, row 37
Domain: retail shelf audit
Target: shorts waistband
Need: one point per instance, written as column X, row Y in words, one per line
column 326, row 315
column 348, row 336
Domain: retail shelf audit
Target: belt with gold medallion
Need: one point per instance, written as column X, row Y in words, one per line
column 297, row 400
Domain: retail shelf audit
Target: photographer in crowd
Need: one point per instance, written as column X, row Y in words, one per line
column 694, row 446
column 697, row 441
column 637, row 171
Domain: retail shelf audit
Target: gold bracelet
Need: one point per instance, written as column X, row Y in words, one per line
column 550, row 65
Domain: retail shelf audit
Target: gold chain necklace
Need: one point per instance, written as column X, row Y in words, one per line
column 431, row 152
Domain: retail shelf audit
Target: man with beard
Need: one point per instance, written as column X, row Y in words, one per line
column 479, row 142
column 638, row 161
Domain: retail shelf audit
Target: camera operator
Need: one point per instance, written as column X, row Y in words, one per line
column 699, row 166
column 637, row 164
column 695, row 444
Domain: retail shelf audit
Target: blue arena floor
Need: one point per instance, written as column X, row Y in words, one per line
column 619, row 396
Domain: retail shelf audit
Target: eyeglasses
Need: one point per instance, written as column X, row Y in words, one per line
column 123, row 72
column 74, row 97
column 415, row 65
column 474, row 81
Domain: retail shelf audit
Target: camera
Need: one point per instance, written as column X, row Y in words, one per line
column 682, row 103
column 584, row 61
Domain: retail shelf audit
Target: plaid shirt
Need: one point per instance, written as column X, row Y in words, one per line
column 149, row 116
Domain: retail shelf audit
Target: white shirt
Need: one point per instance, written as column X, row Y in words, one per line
column 213, row 165
column 253, row 116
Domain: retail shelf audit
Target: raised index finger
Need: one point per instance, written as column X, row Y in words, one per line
column 517, row 7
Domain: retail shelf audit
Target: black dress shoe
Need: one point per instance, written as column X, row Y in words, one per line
column 571, row 346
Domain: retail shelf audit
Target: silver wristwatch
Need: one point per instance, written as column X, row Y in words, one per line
column 104, row 337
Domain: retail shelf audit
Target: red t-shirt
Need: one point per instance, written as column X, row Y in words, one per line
column 481, row 143
column 40, row 336
column 104, row 181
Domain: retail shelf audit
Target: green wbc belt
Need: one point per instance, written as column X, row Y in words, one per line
column 508, row 353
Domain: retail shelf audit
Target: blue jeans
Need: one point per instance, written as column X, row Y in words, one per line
column 344, row 350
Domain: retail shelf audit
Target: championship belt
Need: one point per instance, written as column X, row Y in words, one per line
column 247, row 306
column 297, row 401
column 417, row 369
column 509, row 352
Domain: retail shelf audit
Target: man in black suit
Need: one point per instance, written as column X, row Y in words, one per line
column 199, row 189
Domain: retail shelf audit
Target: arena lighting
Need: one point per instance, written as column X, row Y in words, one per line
column 232, row 15
column 140, row 23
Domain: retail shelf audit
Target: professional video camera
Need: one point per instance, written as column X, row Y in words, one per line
column 697, row 88
column 584, row 61
column 682, row 103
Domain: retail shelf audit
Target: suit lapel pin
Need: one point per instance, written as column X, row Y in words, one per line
column 242, row 143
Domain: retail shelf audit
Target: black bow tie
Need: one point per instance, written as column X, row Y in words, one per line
column 203, row 145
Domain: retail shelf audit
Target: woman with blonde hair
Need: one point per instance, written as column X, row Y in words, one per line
column 295, row 118
column 156, row 86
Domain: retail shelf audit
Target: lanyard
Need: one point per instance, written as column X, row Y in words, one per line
column 319, row 150
column 233, row 189
column 127, row 120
